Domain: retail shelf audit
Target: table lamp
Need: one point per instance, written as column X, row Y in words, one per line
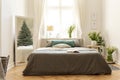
column 49, row 29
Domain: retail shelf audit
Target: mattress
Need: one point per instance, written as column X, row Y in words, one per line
column 61, row 61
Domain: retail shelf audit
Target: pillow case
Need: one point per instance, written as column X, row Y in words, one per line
column 68, row 42
column 61, row 45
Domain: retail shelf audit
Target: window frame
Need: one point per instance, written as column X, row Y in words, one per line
column 60, row 8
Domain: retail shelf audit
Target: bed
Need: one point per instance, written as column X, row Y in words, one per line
column 61, row 61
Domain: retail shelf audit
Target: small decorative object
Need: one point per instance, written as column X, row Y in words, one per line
column 49, row 29
column 93, row 43
column 110, row 51
column 70, row 30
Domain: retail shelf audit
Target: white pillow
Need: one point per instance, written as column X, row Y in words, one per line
column 61, row 45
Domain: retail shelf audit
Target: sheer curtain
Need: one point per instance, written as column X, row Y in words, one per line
column 38, row 22
column 61, row 14
column 78, row 17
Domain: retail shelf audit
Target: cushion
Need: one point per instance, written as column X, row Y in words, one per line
column 47, row 42
column 68, row 42
column 76, row 41
column 61, row 45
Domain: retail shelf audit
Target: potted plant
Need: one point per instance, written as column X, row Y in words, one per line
column 93, row 36
column 70, row 30
column 110, row 51
column 96, row 39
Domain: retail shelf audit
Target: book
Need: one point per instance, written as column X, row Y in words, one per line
column 73, row 51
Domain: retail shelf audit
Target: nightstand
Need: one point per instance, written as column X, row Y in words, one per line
column 95, row 47
column 101, row 49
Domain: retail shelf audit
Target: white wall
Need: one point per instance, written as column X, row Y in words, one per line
column 111, row 26
column 0, row 27
column 10, row 8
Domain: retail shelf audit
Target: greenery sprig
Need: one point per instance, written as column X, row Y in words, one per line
column 111, row 49
column 70, row 30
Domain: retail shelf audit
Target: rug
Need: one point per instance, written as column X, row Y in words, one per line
column 114, row 67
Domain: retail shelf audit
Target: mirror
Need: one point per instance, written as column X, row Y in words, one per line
column 23, row 39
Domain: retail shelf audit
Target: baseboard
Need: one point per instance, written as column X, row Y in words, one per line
column 11, row 65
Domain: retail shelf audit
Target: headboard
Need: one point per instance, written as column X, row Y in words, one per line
column 45, row 42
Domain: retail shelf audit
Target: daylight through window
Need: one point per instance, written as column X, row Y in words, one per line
column 59, row 16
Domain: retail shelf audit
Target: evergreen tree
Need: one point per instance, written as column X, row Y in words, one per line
column 24, row 37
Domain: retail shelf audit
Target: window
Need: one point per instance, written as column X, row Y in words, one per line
column 59, row 16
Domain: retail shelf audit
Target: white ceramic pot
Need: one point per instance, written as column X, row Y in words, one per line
column 93, row 43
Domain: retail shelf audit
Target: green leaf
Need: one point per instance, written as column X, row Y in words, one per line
column 70, row 30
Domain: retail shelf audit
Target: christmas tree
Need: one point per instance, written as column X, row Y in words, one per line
column 24, row 37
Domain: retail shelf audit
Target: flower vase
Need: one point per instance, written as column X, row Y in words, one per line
column 93, row 43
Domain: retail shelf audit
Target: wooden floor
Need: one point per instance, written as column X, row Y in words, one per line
column 16, row 74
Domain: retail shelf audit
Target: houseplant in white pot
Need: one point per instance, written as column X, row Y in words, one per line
column 93, row 36
column 97, row 40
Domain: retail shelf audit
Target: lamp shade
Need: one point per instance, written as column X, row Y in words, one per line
column 49, row 28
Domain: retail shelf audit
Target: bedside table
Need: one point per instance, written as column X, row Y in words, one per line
column 101, row 49
column 95, row 47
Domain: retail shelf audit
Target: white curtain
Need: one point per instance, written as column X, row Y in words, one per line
column 78, row 17
column 38, row 22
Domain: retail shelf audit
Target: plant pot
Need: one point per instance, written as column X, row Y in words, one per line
column 93, row 43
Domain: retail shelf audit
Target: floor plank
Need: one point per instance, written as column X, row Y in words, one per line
column 16, row 74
